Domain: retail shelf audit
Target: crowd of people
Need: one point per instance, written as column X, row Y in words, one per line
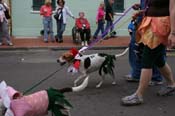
column 82, row 24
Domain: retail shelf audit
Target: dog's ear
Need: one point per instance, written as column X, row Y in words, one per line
column 68, row 56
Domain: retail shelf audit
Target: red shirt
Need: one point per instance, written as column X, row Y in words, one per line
column 81, row 21
column 46, row 10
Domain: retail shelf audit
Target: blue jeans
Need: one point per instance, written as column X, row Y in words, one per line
column 60, row 29
column 4, row 32
column 108, row 27
column 48, row 27
column 136, row 63
column 99, row 28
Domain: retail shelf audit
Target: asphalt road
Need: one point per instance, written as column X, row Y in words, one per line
column 23, row 69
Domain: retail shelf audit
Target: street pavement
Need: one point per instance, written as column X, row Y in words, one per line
column 24, row 68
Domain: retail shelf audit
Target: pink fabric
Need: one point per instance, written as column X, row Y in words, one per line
column 46, row 11
column 39, row 102
column 21, row 108
column 35, row 104
column 100, row 14
column 12, row 92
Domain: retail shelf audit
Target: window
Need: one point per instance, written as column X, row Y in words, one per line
column 118, row 5
column 38, row 3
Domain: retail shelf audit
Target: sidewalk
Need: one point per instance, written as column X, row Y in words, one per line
column 37, row 43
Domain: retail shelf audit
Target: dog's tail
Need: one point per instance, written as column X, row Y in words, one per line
column 123, row 53
column 76, row 89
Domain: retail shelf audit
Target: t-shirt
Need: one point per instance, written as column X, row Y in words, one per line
column 2, row 15
column 109, row 10
column 157, row 8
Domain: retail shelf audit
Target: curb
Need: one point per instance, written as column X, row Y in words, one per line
column 60, row 48
column 66, row 48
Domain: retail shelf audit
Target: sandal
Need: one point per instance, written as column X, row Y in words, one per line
column 166, row 91
column 129, row 78
column 155, row 83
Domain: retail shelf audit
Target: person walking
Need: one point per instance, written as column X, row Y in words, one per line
column 100, row 20
column 135, row 51
column 62, row 11
column 46, row 12
column 109, row 17
column 154, row 31
column 4, row 30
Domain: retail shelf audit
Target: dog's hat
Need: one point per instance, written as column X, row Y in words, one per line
column 74, row 51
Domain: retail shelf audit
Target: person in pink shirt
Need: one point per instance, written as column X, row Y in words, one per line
column 100, row 20
column 46, row 12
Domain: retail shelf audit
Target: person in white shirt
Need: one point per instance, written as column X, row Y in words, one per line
column 62, row 12
column 4, row 31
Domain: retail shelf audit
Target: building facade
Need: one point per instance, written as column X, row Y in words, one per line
column 26, row 21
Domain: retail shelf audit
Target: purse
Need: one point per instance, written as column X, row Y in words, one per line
column 6, row 12
column 58, row 14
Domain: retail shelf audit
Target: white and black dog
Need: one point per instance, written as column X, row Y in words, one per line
column 86, row 64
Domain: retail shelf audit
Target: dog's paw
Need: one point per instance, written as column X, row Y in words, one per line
column 98, row 86
column 114, row 83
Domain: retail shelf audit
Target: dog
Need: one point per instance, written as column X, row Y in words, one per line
column 86, row 64
column 13, row 103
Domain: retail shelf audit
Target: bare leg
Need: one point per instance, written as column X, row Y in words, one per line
column 79, row 78
column 146, row 75
column 167, row 73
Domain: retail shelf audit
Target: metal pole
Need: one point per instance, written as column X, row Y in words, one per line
column 10, row 21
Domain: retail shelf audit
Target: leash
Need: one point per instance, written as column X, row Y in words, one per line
column 106, row 31
column 118, row 27
column 41, row 81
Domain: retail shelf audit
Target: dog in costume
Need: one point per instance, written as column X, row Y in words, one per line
column 13, row 103
column 86, row 64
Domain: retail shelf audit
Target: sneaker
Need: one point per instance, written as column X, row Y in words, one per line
column 82, row 43
column 166, row 91
column 129, row 78
column 155, row 83
column 10, row 44
column 60, row 41
column 45, row 41
column 86, row 43
column 132, row 100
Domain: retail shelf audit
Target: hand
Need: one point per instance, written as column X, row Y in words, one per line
column 83, row 26
column 136, row 14
column 136, row 6
column 171, row 40
column 73, row 17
